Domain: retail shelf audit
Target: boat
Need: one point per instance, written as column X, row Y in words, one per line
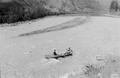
column 62, row 55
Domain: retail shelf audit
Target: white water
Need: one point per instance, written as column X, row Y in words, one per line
column 98, row 36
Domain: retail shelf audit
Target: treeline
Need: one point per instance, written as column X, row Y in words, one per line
column 22, row 10
column 15, row 11
column 114, row 6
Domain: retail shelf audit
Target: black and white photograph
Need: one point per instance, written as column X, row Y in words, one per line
column 59, row 38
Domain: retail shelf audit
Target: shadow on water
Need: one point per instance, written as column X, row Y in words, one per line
column 70, row 24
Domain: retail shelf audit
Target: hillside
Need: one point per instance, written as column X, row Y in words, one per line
column 22, row 10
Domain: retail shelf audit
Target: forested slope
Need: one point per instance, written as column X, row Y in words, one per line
column 22, row 10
